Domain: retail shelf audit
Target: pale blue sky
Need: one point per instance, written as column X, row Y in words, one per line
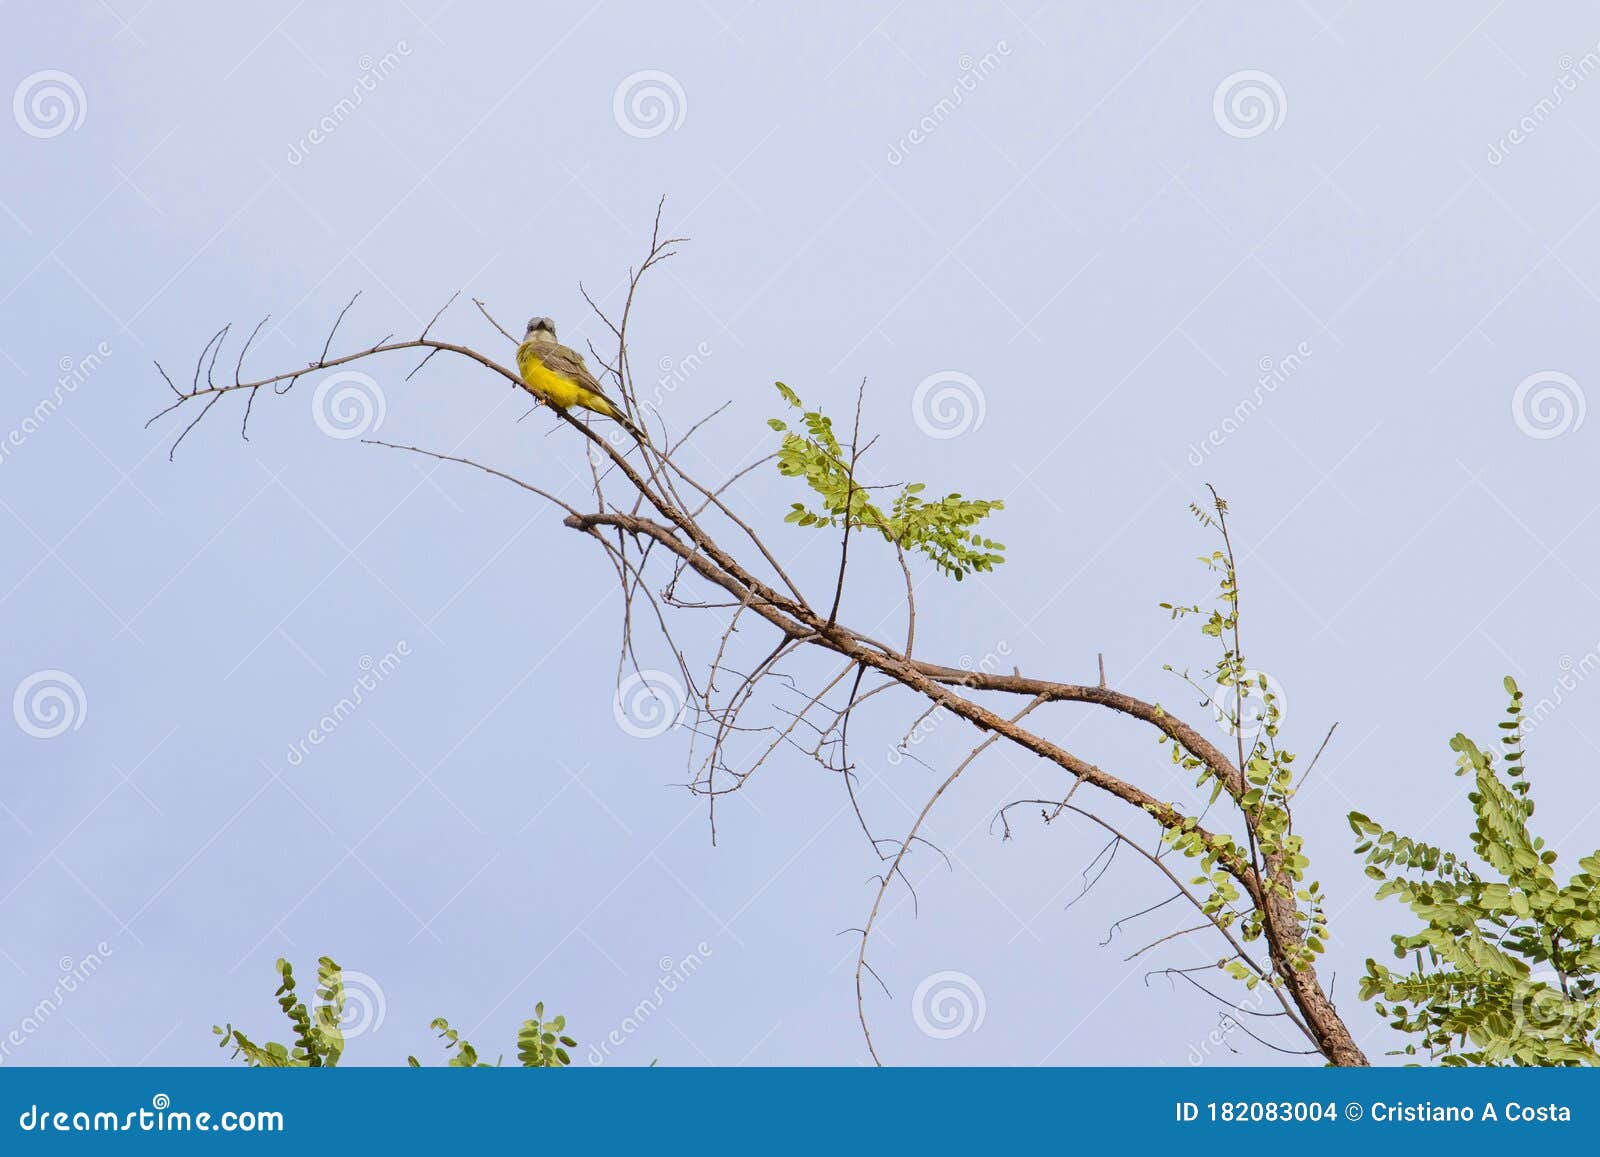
column 1081, row 236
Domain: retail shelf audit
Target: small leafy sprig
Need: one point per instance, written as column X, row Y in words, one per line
column 319, row 1041
column 541, row 1044
column 943, row 530
column 1226, row 687
column 464, row 1055
column 1504, row 971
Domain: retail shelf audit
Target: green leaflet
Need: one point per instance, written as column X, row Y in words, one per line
column 943, row 530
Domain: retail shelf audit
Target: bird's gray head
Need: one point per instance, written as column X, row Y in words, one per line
column 540, row 329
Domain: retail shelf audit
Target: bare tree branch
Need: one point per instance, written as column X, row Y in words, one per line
column 678, row 542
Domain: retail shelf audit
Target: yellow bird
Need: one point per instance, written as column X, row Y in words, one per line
column 558, row 376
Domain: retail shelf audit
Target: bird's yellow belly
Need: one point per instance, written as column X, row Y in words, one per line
column 549, row 385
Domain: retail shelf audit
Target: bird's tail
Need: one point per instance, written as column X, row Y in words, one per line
column 637, row 431
column 615, row 414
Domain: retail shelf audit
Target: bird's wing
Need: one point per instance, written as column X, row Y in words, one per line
column 561, row 360
column 569, row 363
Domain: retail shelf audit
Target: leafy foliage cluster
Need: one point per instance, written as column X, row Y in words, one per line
column 943, row 530
column 541, row 1044
column 1227, row 688
column 1506, row 969
column 319, row 1040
